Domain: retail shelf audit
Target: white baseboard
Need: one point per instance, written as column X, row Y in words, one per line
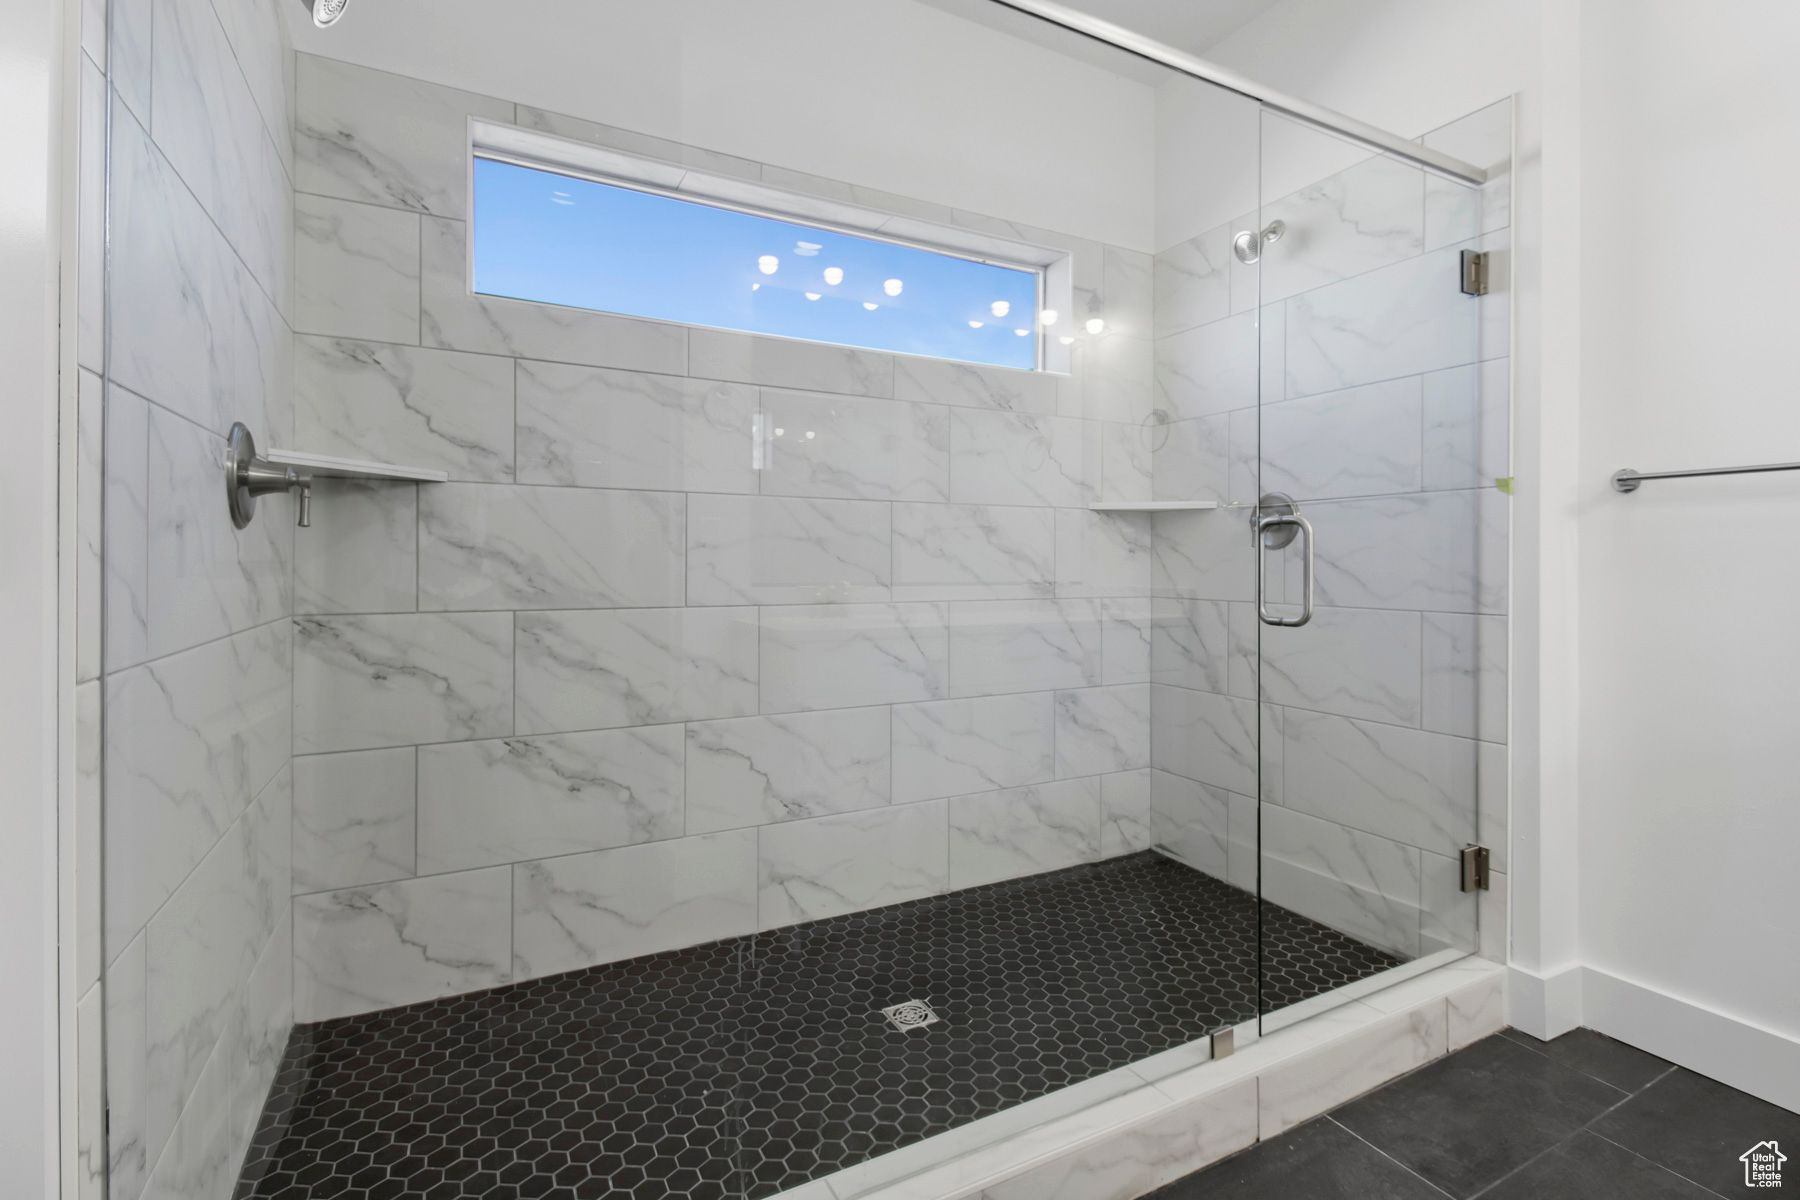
column 1544, row 1005
column 1722, row 1047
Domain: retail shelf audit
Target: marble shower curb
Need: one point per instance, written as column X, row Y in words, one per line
column 1142, row 1127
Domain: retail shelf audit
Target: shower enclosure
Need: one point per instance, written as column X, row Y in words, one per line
column 676, row 760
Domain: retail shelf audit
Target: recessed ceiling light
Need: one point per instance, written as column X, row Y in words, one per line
column 999, row 308
column 834, row 275
column 768, row 264
column 893, row 287
column 1096, row 324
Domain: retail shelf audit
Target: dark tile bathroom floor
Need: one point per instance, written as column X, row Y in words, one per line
column 745, row 1067
column 1512, row 1118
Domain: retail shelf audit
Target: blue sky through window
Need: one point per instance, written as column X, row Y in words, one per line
column 560, row 240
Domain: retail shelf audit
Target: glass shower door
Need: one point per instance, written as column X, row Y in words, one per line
column 1381, row 566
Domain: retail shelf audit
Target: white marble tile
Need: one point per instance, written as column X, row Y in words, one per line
column 1448, row 916
column 1493, row 909
column 990, row 1135
column 1125, row 814
column 1205, row 555
column 202, row 946
column 590, row 427
column 354, row 818
column 1492, row 800
column 1190, row 644
column 592, row 670
column 967, row 385
column 1190, row 821
column 88, row 1175
column 593, row 908
column 1204, row 737
column 362, row 552
column 840, row 655
column 400, row 404
column 1102, row 730
column 363, row 949
column 1102, row 554
column 1011, row 458
column 486, row 546
column 850, row 448
column 760, row 770
column 124, row 549
column 1193, row 282
column 356, row 271
column 1476, row 1010
column 205, row 120
column 128, row 1152
column 1442, row 551
column 1023, row 831
column 643, row 145
column 1394, row 321
column 190, row 739
column 452, row 318
column 1357, row 220
column 1362, row 663
column 512, row 799
column 1128, row 290
column 850, row 862
column 784, row 363
column 1145, row 1155
column 1302, row 1087
column 1209, row 369
column 204, row 340
column 787, row 550
column 259, row 1038
column 207, row 579
column 1127, row 461
column 1455, row 212
column 953, row 747
column 86, row 853
column 1465, row 675
column 1467, row 426
column 973, row 552
column 1023, row 645
column 1403, row 784
column 1113, row 379
column 384, row 139
column 259, row 39
column 90, row 215
column 1361, row 442
column 1193, row 459
column 1359, row 884
column 1125, row 640
column 1243, row 831
column 369, row 681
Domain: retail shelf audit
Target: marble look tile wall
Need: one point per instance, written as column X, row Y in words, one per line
column 192, row 958
column 1349, row 373
column 632, row 680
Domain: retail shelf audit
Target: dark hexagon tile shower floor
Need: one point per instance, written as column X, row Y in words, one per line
column 744, row 1067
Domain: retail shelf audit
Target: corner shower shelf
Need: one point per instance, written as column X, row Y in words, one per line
column 1155, row 506
column 327, row 467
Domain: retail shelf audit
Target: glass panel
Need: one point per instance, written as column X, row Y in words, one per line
column 1366, row 668
column 539, row 235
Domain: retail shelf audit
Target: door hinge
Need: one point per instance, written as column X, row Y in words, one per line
column 1474, row 273
column 1223, row 1042
column 1475, row 869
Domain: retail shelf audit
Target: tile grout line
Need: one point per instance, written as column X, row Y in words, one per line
column 1570, row 1136
column 1377, row 1149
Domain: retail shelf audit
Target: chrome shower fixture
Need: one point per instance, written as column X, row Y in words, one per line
column 249, row 475
column 1248, row 245
column 325, row 12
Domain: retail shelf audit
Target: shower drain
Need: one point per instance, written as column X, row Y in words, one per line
column 914, row 1014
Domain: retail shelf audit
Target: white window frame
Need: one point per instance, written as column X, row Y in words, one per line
column 532, row 148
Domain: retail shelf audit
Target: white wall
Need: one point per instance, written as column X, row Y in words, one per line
column 1690, row 768
column 967, row 115
column 31, row 80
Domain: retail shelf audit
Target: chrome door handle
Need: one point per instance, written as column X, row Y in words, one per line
column 1305, row 528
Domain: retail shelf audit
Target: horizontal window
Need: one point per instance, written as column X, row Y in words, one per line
column 546, row 236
